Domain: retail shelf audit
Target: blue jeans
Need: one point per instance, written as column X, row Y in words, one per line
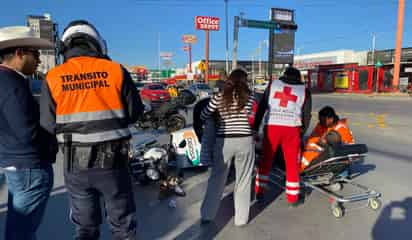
column 29, row 190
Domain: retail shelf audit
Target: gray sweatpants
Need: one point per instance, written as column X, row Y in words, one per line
column 243, row 151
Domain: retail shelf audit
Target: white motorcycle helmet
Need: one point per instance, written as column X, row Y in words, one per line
column 87, row 33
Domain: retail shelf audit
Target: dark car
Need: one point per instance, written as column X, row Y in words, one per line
column 201, row 90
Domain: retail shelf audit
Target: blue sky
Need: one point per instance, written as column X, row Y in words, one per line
column 131, row 27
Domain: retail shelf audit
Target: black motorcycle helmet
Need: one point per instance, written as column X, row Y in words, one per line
column 81, row 32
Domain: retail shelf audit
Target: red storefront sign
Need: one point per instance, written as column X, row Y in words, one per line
column 207, row 23
column 309, row 65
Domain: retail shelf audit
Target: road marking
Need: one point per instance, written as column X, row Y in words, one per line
column 367, row 119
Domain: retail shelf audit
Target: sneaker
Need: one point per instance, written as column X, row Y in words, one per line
column 241, row 225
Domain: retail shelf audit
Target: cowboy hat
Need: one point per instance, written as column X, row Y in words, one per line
column 21, row 36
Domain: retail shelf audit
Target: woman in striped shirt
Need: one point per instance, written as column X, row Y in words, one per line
column 233, row 110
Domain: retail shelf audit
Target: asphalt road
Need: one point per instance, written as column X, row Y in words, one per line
column 383, row 123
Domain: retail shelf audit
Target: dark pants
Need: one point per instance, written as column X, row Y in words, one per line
column 114, row 186
column 29, row 190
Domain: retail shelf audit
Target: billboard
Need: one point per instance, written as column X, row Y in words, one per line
column 188, row 38
column 207, row 23
column 283, row 46
column 282, row 15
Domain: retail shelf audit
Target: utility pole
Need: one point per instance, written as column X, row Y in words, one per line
column 396, row 71
column 263, row 42
column 373, row 47
column 207, row 58
column 373, row 60
column 235, row 42
column 158, row 55
column 227, row 37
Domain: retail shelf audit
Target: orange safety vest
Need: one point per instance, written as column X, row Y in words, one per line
column 313, row 149
column 87, row 95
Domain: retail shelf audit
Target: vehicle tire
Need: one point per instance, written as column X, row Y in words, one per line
column 175, row 122
column 374, row 203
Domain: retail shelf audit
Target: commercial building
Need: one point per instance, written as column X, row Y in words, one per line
column 45, row 28
column 333, row 71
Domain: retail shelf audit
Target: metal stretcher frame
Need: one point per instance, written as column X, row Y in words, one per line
column 321, row 181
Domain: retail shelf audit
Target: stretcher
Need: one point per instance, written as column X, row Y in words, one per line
column 330, row 175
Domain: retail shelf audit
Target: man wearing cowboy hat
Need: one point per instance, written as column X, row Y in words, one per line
column 26, row 150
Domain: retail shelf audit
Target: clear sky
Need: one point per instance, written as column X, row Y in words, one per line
column 131, row 27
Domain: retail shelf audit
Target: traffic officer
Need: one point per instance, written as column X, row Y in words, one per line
column 288, row 105
column 89, row 101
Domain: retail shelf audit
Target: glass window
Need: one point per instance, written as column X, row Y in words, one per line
column 363, row 79
column 387, row 78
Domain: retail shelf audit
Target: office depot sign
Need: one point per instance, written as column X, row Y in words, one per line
column 207, row 23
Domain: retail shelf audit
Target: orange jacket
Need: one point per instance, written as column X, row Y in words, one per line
column 89, row 100
column 313, row 149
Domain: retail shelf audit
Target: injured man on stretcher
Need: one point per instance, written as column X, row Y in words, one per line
column 330, row 133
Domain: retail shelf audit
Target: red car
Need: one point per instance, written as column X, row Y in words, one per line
column 155, row 92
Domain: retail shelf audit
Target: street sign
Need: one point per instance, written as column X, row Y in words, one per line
column 187, row 38
column 207, row 23
column 166, row 54
column 259, row 24
column 201, row 66
column 186, row 48
column 379, row 64
column 267, row 24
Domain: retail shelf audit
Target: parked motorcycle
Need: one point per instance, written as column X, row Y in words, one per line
column 169, row 114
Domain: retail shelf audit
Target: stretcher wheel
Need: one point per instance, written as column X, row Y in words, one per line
column 336, row 187
column 338, row 211
column 374, row 203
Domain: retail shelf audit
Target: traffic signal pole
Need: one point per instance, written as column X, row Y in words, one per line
column 396, row 71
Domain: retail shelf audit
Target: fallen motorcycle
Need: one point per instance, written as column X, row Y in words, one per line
column 149, row 163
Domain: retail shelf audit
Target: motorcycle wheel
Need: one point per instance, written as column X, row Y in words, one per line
column 175, row 122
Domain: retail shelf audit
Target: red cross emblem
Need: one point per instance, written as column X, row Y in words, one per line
column 285, row 96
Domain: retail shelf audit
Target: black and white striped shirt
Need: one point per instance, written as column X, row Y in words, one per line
column 231, row 122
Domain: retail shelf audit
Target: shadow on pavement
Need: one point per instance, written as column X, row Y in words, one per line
column 395, row 221
column 210, row 230
column 394, row 155
column 55, row 221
